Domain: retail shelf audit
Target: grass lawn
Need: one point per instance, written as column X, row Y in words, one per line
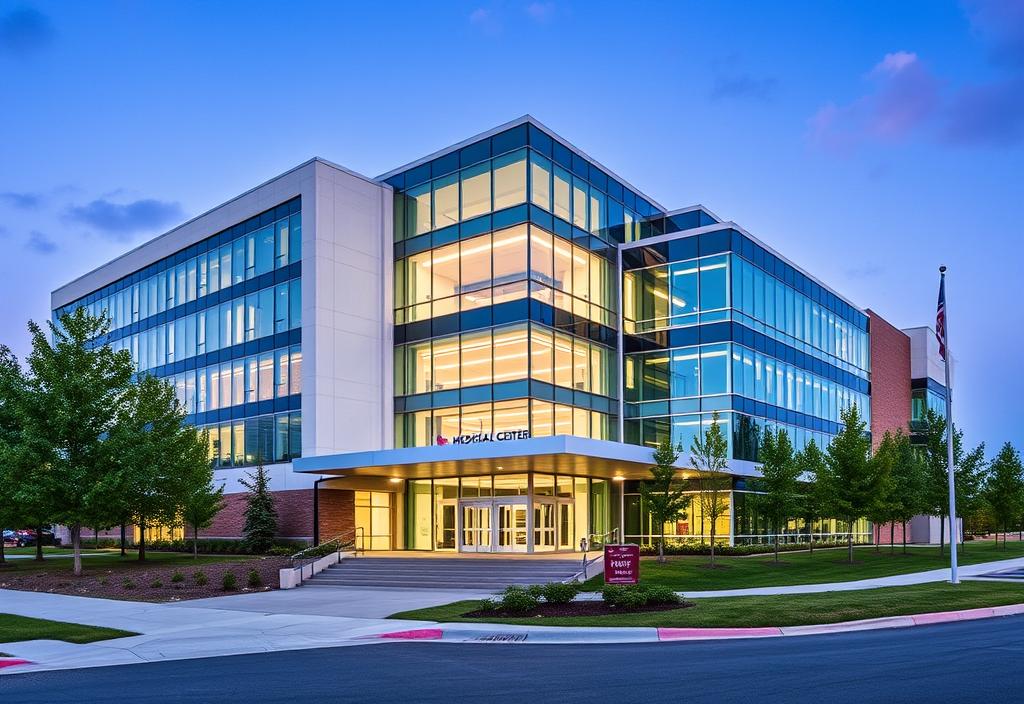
column 17, row 628
column 47, row 550
column 783, row 610
column 111, row 559
column 691, row 572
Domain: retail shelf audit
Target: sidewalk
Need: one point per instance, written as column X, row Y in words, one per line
column 315, row 618
column 237, row 625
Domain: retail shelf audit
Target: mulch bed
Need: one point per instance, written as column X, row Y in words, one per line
column 110, row 583
column 575, row 608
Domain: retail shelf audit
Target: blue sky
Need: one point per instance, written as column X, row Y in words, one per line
column 869, row 141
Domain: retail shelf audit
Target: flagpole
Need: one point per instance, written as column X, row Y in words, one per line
column 954, row 577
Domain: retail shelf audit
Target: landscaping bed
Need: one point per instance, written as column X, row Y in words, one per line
column 159, row 578
column 573, row 609
column 763, row 611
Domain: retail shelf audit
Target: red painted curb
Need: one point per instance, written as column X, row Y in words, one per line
column 12, row 662
column 685, row 633
column 415, row 634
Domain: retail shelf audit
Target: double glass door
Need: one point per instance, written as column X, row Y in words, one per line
column 494, row 526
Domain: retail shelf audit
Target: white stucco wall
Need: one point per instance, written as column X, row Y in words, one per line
column 347, row 332
column 347, row 321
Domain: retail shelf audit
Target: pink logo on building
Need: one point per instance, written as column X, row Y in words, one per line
column 440, row 440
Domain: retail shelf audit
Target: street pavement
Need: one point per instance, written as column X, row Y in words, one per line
column 965, row 662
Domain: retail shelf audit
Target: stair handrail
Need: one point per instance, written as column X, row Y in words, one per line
column 351, row 540
column 581, row 575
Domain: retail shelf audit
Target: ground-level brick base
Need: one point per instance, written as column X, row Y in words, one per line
column 294, row 514
column 882, row 534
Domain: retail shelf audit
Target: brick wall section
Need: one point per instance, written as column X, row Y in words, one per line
column 890, row 394
column 890, row 378
column 294, row 514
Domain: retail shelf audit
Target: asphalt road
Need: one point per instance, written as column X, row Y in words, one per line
column 975, row 661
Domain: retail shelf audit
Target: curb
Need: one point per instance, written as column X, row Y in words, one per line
column 14, row 662
column 498, row 633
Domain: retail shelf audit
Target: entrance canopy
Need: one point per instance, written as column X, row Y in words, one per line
column 563, row 454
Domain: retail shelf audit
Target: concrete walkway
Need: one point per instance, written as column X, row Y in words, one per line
column 179, row 631
column 310, row 618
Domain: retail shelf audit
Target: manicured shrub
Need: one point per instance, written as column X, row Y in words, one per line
column 517, row 599
column 177, row 577
column 200, row 577
column 634, row 596
column 536, row 590
column 156, row 584
column 662, row 595
column 229, row 583
column 128, row 584
column 254, row 580
column 558, row 593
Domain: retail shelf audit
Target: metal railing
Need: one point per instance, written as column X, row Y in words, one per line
column 350, row 541
column 585, row 545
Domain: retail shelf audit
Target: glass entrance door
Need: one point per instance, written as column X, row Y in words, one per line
column 476, row 527
column 543, row 526
column 512, row 528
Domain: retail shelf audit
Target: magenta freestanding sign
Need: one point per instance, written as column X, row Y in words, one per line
column 621, row 564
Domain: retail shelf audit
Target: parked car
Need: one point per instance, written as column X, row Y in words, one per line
column 27, row 537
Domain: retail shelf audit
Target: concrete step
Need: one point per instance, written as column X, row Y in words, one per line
column 486, row 574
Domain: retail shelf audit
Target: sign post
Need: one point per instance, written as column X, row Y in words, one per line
column 622, row 564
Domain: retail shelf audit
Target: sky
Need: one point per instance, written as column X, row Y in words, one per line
column 869, row 142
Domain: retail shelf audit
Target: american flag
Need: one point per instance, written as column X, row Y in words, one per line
column 940, row 319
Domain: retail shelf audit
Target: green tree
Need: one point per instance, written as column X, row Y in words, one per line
column 709, row 453
column 908, row 484
column 159, row 459
column 849, row 481
column 664, row 501
column 779, row 474
column 260, row 514
column 971, row 473
column 1005, row 489
column 810, row 462
column 12, row 448
column 203, row 500
column 882, row 507
column 968, row 472
column 74, row 393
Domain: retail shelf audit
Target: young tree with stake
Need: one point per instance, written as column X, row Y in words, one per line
column 710, row 455
column 779, row 473
column 664, row 501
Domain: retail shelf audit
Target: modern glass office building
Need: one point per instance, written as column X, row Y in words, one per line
column 478, row 350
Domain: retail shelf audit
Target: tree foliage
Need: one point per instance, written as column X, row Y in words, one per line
column 710, row 456
column 260, row 513
column 810, row 463
column 1004, row 488
column 665, row 502
column 779, row 473
column 849, row 482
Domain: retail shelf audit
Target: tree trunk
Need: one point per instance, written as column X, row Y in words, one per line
column 942, row 535
column 892, row 537
column 3, row 558
column 849, row 541
column 142, row 541
column 904, row 537
column 810, row 535
column 124, row 531
column 39, row 543
column 95, row 537
column 76, row 547
column 195, row 542
column 712, row 541
column 776, row 545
